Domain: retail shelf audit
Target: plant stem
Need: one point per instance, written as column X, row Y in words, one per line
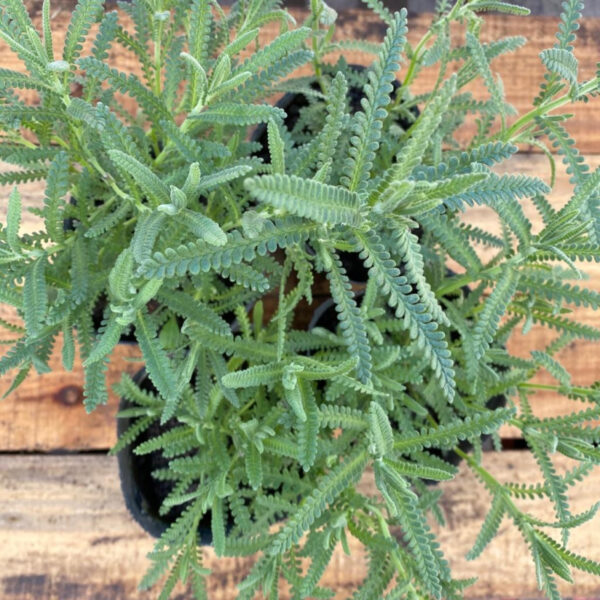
column 385, row 532
column 23, row 142
column 456, row 283
column 513, row 132
column 557, row 388
column 315, row 9
column 417, row 55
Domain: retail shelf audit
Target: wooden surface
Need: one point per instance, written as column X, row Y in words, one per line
column 521, row 71
column 66, row 533
column 68, row 536
column 45, row 413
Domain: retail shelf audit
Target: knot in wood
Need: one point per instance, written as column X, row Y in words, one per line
column 70, row 395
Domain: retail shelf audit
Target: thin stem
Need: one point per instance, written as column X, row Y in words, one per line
column 23, row 142
column 456, row 283
column 316, row 8
column 385, row 532
column 417, row 55
column 557, row 388
column 512, row 133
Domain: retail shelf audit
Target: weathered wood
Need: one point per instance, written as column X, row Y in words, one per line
column 522, row 71
column 581, row 357
column 69, row 536
column 36, row 418
column 46, row 412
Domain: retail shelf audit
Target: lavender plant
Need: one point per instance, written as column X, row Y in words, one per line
column 170, row 214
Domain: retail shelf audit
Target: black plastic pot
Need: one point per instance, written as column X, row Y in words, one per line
column 143, row 493
column 98, row 315
column 293, row 104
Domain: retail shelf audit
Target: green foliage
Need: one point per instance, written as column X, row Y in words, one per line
column 412, row 152
column 199, row 256
column 380, row 429
column 441, row 472
column 150, row 184
column 13, row 220
column 561, row 62
column 309, row 427
column 489, row 528
column 415, row 532
column 126, row 84
column 35, row 297
column 204, row 221
column 380, row 9
column 57, row 186
column 414, row 315
column 353, row 327
column 479, row 58
column 568, row 557
column 334, row 123
column 368, row 123
column 552, row 366
column 307, row 198
column 82, row 19
column 503, row 7
column 568, row 25
column 557, row 489
column 239, row 114
column 495, row 306
column 157, row 362
column 95, row 389
column 276, row 148
column 330, row 487
column 447, row 436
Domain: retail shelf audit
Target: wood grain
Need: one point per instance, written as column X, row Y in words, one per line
column 54, row 510
column 38, row 418
column 46, row 412
column 521, row 71
column 26, row 417
column 79, row 431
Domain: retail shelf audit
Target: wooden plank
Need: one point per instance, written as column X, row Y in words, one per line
column 37, row 417
column 505, row 569
column 522, row 71
column 46, row 412
column 69, row 536
column 581, row 358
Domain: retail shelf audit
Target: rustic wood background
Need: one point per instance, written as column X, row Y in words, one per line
column 67, row 533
